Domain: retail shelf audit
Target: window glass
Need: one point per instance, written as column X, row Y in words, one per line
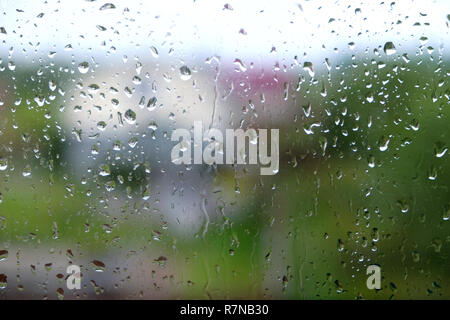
column 211, row 149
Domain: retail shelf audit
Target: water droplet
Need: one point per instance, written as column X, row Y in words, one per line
column 308, row 66
column 154, row 51
column 133, row 142
column 3, row 281
column 423, row 40
column 440, row 149
column 60, row 293
column 83, row 67
column 371, row 161
column 3, row 255
column 3, row 164
column 404, row 206
column 383, row 143
column 130, row 116
column 185, row 73
column 146, row 193
column 240, row 64
column 389, row 48
column 151, row 105
column 107, row 6
column 98, row 266
column 104, row 170
column 161, row 261
column 93, row 88
column 26, row 171
column 101, row 125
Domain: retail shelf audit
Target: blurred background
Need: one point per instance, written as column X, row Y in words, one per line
column 91, row 91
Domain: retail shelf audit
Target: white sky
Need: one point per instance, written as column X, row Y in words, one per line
column 204, row 26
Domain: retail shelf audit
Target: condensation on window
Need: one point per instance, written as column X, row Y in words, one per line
column 215, row 150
